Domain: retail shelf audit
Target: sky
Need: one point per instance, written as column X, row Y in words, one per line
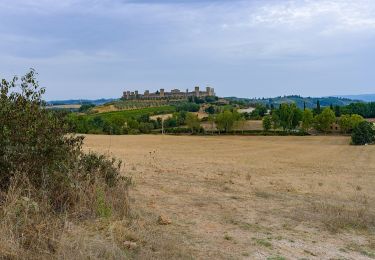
column 256, row 48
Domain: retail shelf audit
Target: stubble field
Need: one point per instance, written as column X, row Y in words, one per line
column 232, row 197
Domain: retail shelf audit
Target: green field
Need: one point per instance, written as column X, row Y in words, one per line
column 134, row 113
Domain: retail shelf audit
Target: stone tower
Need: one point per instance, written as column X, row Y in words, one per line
column 197, row 91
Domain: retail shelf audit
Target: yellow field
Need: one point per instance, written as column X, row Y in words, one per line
column 65, row 106
column 249, row 197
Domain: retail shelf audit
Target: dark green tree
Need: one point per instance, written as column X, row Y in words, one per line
column 267, row 123
column 363, row 133
column 318, row 110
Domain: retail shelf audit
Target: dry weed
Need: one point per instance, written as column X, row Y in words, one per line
column 355, row 213
column 31, row 228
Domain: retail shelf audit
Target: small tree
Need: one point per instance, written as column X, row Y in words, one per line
column 267, row 123
column 307, row 120
column 355, row 120
column 349, row 122
column 289, row 116
column 363, row 133
column 145, row 128
column 324, row 120
column 240, row 123
column 192, row 121
column 211, row 119
column 85, row 107
column 226, row 120
column 210, row 110
column 275, row 121
column 344, row 123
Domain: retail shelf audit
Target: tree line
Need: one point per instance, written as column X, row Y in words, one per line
column 289, row 118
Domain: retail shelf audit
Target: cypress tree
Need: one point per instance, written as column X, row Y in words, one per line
column 318, row 107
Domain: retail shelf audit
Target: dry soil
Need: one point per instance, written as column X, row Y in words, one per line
column 232, row 197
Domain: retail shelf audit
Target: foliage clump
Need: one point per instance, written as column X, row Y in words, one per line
column 363, row 133
column 45, row 177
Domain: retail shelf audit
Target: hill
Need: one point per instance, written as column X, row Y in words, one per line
column 135, row 113
column 300, row 101
column 96, row 102
column 363, row 97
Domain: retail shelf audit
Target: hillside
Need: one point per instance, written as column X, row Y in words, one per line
column 364, row 97
column 96, row 102
column 136, row 113
column 309, row 101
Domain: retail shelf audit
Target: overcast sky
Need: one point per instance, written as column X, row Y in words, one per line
column 98, row 48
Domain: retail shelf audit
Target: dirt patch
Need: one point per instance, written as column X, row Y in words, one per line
column 249, row 197
column 163, row 116
column 104, row 109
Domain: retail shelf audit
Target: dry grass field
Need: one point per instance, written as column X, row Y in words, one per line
column 66, row 106
column 228, row 197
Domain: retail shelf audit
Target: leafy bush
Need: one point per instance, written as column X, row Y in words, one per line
column 85, row 107
column 210, row 110
column 32, row 140
column 146, row 128
column 349, row 122
column 170, row 122
column 363, row 133
column 259, row 112
column 188, row 107
column 45, row 177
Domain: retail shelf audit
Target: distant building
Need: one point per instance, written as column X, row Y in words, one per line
column 174, row 94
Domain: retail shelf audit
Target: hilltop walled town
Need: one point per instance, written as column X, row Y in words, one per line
column 162, row 94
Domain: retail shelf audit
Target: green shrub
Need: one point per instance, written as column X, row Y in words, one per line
column 145, row 128
column 32, row 140
column 103, row 210
column 363, row 133
column 46, row 180
column 85, row 107
column 94, row 166
column 349, row 122
column 35, row 144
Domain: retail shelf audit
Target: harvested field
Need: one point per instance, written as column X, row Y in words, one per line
column 65, row 106
column 231, row 197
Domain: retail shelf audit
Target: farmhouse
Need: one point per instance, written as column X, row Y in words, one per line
column 175, row 94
